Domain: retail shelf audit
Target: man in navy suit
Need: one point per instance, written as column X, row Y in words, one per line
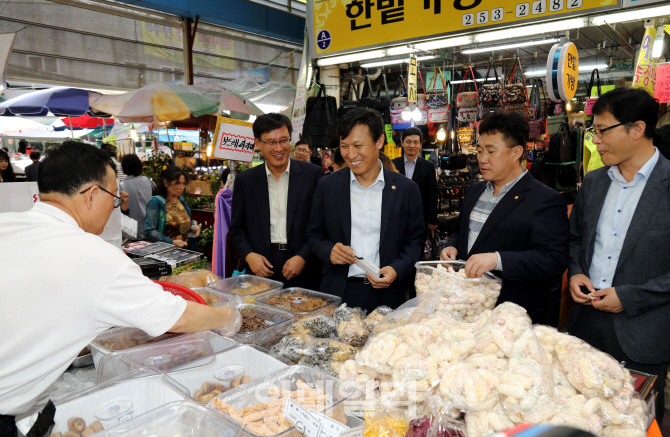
column 271, row 207
column 365, row 211
column 513, row 224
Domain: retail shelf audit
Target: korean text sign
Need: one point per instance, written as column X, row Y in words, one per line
column 233, row 139
column 341, row 25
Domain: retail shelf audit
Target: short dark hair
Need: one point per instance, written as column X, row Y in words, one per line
column 5, row 149
column 365, row 116
column 662, row 140
column 629, row 105
column 171, row 174
column 513, row 126
column 131, row 165
column 34, row 155
column 304, row 141
column 337, row 158
column 8, row 175
column 70, row 166
column 269, row 122
column 412, row 131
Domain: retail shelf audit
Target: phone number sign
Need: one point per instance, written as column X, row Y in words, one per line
column 344, row 25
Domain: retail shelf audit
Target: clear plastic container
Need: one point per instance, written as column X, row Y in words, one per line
column 184, row 419
column 246, row 287
column 114, row 412
column 278, row 323
column 333, row 302
column 255, row 361
column 118, row 339
column 247, row 395
column 146, row 389
column 215, row 298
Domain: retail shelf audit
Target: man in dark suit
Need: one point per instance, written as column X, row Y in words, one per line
column 620, row 240
column 420, row 171
column 271, row 207
column 369, row 212
column 511, row 223
column 31, row 170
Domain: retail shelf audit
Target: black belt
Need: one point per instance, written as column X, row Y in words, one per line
column 279, row 246
column 363, row 279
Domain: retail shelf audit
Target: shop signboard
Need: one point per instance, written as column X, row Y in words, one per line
column 636, row 3
column 662, row 91
column 339, row 26
column 411, row 80
column 234, row 140
column 562, row 72
column 645, row 72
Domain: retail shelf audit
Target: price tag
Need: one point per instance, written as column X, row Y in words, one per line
column 354, row 432
column 662, row 90
column 198, row 191
column 300, row 417
column 329, row 426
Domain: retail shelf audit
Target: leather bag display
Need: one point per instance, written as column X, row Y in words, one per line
column 590, row 101
column 347, row 105
column 468, row 99
column 320, row 126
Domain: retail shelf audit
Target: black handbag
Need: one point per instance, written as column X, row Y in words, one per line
column 345, row 104
column 560, row 146
column 366, row 100
column 320, row 126
column 383, row 104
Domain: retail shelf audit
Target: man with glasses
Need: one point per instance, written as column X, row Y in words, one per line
column 271, row 207
column 302, row 151
column 84, row 285
column 620, row 240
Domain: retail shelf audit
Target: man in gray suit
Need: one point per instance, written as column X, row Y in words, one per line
column 620, row 240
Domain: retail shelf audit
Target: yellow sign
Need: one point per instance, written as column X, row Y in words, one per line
column 341, row 25
column 411, row 80
column 645, row 74
column 570, row 72
column 203, row 47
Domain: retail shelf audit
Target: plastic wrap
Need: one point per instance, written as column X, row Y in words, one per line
column 466, row 388
column 233, row 324
column 358, row 375
column 350, row 327
column 386, row 424
column 444, row 426
column 320, row 326
column 293, row 347
column 485, row 423
column 192, row 278
column 505, row 325
column 331, row 368
column 461, row 296
column 411, row 311
column 376, row 316
column 277, row 324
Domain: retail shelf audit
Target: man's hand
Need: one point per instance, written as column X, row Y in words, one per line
column 432, row 229
column 342, row 254
column 180, row 243
column 578, row 281
column 293, row 267
column 479, row 264
column 124, row 203
column 386, row 277
column 449, row 253
column 259, row 265
column 607, row 300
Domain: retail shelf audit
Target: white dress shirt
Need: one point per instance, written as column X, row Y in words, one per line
column 278, row 193
column 409, row 167
column 366, row 220
column 82, row 287
column 615, row 217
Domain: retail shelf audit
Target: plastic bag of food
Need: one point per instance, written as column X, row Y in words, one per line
column 293, row 347
column 192, row 278
column 350, row 327
column 358, row 375
column 375, row 317
column 506, row 324
column 332, row 368
column 461, row 296
column 386, row 424
column 343, row 313
column 634, row 421
column 324, row 349
column 320, row 326
column 412, row 311
column 444, row 426
column 465, row 388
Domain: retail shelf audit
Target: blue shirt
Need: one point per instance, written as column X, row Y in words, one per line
column 409, row 167
column 615, row 217
column 366, row 220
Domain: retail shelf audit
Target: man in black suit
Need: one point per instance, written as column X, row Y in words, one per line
column 420, row 171
column 369, row 212
column 31, row 170
column 271, row 207
column 511, row 223
column 620, row 240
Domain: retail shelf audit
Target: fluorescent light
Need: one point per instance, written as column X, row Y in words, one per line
column 453, row 82
column 401, row 50
column 657, row 50
column 535, row 29
column 354, row 57
column 510, row 46
column 394, row 61
column 543, row 72
column 443, row 43
column 636, row 14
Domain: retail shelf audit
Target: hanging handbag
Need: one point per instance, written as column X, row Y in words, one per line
column 536, row 129
column 590, row 101
column 467, row 115
column 516, row 92
column 468, row 99
column 558, row 108
column 437, row 98
column 320, row 125
column 438, row 115
column 554, row 123
column 465, row 136
column 383, row 104
column 421, row 97
column 366, row 100
column 490, row 94
column 534, row 106
column 398, row 101
column 560, row 145
column 347, row 105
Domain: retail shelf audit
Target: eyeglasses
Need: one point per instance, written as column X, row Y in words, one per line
column 301, row 150
column 601, row 132
column 117, row 199
column 285, row 142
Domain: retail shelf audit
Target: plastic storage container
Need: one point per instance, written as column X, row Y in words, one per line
column 117, row 339
column 333, row 302
column 255, row 362
column 214, row 297
column 278, row 321
column 337, row 391
column 246, row 287
column 142, row 390
column 465, row 298
column 184, row 419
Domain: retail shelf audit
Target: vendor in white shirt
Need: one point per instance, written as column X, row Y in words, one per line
column 62, row 285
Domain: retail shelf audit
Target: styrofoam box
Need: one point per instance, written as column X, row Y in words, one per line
column 185, row 419
column 255, row 360
column 255, row 392
column 148, row 390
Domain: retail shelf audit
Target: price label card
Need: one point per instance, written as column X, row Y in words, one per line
column 300, row 417
column 662, row 90
column 354, row 432
column 329, row 426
